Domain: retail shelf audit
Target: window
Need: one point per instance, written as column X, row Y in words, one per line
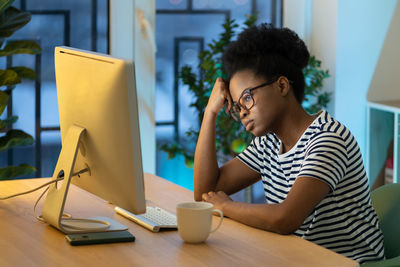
column 80, row 24
column 183, row 28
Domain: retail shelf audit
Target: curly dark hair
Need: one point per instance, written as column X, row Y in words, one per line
column 269, row 52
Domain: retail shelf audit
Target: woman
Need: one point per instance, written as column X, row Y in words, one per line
column 310, row 165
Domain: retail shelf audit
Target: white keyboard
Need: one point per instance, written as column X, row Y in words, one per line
column 154, row 219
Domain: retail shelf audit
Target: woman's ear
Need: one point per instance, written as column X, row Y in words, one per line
column 284, row 85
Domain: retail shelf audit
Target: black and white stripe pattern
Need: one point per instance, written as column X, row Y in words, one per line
column 345, row 220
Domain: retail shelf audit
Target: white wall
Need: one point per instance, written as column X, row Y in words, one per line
column 324, row 40
column 297, row 15
column 130, row 40
column 347, row 36
column 386, row 79
column 362, row 27
column 319, row 37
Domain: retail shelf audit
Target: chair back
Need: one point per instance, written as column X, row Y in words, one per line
column 386, row 201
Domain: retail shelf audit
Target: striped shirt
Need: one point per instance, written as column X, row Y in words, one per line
column 344, row 221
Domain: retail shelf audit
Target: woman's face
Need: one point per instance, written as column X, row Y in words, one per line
column 264, row 116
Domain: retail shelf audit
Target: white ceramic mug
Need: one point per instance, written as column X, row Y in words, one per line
column 194, row 220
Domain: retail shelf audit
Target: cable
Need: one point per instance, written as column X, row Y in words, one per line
column 32, row 190
column 66, row 217
column 39, row 217
column 60, row 177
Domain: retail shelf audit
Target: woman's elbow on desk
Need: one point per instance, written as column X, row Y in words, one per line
column 279, row 223
column 197, row 196
column 286, row 225
column 269, row 217
column 201, row 187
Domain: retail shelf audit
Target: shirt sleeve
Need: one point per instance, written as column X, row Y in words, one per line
column 252, row 156
column 325, row 159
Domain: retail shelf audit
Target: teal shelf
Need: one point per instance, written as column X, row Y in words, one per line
column 382, row 127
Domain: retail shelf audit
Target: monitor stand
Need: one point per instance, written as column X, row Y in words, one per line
column 53, row 207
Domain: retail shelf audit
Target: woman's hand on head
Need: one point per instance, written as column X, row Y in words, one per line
column 219, row 96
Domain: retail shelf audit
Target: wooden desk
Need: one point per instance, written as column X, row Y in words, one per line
column 24, row 241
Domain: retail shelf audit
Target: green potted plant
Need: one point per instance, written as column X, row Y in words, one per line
column 11, row 20
column 231, row 137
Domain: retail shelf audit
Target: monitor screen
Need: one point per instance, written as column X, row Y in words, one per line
column 99, row 131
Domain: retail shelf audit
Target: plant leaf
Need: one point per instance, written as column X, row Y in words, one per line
column 5, row 4
column 15, row 138
column 251, row 20
column 24, row 72
column 7, row 122
column 3, row 101
column 11, row 172
column 12, row 20
column 20, row 47
column 189, row 161
column 9, row 77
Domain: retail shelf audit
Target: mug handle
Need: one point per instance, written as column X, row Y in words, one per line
column 220, row 221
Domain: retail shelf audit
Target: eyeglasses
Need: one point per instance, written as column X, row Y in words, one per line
column 246, row 100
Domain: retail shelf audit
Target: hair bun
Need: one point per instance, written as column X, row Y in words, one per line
column 269, row 40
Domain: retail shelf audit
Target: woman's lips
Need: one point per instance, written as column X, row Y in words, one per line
column 249, row 125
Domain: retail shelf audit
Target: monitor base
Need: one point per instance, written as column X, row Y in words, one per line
column 71, row 226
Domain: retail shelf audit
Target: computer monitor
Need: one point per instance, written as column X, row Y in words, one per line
column 100, row 136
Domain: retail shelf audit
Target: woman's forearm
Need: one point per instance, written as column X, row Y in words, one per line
column 206, row 169
column 270, row 217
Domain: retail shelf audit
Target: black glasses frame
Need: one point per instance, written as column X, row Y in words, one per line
column 237, row 107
